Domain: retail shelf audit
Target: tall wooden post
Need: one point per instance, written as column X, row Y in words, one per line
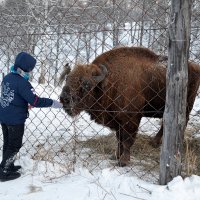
column 177, row 80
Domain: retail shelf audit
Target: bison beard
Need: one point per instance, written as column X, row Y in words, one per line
column 119, row 88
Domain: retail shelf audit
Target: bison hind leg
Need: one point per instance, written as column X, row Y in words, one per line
column 157, row 140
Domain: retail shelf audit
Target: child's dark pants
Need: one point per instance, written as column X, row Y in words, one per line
column 12, row 142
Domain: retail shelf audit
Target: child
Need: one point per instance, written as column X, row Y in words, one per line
column 16, row 94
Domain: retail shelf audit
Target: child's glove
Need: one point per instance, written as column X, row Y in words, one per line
column 56, row 104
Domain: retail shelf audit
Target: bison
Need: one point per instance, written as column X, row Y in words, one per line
column 119, row 88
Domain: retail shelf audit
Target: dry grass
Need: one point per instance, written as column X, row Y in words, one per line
column 192, row 156
column 93, row 152
column 144, row 155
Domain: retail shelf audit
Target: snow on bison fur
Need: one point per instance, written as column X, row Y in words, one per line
column 119, row 88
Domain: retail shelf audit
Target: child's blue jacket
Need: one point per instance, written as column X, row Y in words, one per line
column 16, row 94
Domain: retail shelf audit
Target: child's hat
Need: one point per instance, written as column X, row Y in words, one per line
column 25, row 61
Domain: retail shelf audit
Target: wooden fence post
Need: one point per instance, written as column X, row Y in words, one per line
column 177, row 80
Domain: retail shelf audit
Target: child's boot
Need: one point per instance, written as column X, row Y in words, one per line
column 6, row 175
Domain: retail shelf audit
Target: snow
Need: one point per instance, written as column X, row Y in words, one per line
column 46, row 179
column 106, row 184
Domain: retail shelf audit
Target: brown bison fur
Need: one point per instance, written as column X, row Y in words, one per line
column 119, row 88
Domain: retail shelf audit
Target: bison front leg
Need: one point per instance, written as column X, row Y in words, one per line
column 125, row 157
column 120, row 148
column 128, row 134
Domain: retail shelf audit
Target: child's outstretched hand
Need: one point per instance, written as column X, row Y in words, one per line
column 30, row 107
column 56, row 104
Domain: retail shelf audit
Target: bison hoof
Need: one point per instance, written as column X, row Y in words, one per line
column 122, row 164
column 113, row 157
column 154, row 143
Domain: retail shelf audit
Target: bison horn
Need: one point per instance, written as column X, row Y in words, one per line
column 103, row 74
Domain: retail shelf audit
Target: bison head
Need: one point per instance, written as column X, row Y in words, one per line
column 77, row 93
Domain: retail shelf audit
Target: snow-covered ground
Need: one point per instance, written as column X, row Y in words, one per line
column 51, row 169
column 104, row 185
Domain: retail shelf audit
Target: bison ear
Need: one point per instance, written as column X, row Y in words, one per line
column 103, row 74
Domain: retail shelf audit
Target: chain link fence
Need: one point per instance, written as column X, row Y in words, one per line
column 77, row 31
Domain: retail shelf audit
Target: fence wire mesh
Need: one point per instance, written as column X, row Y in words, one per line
column 77, row 31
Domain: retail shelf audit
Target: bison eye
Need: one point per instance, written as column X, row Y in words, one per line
column 74, row 99
column 67, row 101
